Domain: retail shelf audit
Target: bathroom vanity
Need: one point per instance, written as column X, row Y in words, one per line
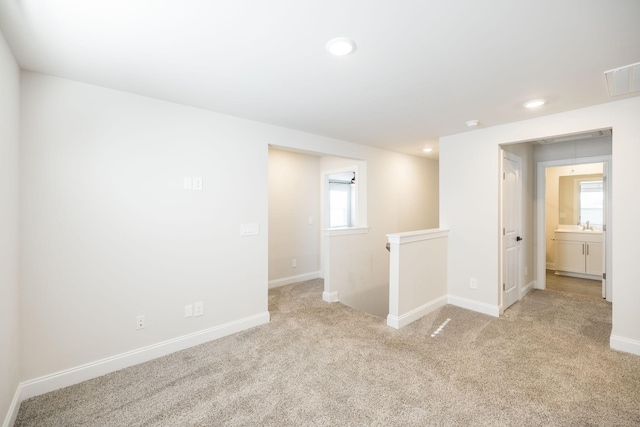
column 579, row 253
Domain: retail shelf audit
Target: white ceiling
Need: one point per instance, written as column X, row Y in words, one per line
column 420, row 70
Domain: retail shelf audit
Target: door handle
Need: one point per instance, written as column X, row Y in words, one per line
column 583, row 249
column 518, row 239
column 587, row 249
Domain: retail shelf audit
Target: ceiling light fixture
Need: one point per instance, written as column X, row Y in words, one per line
column 472, row 123
column 341, row 46
column 535, row 103
column 427, row 150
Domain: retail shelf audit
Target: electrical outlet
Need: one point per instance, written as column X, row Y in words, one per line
column 294, row 263
column 188, row 310
column 141, row 322
column 473, row 283
column 198, row 308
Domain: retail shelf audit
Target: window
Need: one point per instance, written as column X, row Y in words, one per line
column 591, row 202
column 342, row 200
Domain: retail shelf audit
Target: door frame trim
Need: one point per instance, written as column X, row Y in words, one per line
column 540, row 253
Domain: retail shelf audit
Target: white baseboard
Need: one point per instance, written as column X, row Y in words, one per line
column 398, row 322
column 330, row 296
column 625, row 344
column 276, row 283
column 551, row 266
column 98, row 368
column 480, row 307
column 10, row 419
column 527, row 288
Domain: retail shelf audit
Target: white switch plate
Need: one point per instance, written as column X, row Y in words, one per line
column 294, row 263
column 249, row 229
column 188, row 183
column 188, row 310
column 197, row 183
column 310, row 220
column 198, row 308
column 473, row 283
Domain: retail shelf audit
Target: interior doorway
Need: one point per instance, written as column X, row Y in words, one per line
column 564, row 150
column 571, row 241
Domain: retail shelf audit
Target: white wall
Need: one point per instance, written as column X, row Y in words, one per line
column 109, row 233
column 9, row 224
column 569, row 150
column 469, row 203
column 294, row 197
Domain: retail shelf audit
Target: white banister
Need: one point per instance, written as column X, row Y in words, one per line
column 417, row 274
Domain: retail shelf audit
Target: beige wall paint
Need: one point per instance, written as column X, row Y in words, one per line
column 469, row 177
column 294, row 197
column 401, row 195
column 9, row 225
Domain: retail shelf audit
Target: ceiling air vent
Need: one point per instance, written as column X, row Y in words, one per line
column 623, row 80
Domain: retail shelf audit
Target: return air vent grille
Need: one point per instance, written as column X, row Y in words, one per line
column 623, row 80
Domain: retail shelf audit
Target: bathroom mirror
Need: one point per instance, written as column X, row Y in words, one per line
column 580, row 199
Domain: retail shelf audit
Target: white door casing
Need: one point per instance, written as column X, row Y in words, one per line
column 511, row 228
column 605, row 213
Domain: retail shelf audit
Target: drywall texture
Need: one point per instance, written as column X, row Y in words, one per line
column 401, row 195
column 294, row 210
column 109, row 232
column 9, row 224
column 469, row 178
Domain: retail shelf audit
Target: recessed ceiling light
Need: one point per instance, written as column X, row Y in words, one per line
column 472, row 123
column 535, row 103
column 340, row 46
column 427, row 150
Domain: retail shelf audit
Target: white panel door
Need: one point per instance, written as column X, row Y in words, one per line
column 511, row 228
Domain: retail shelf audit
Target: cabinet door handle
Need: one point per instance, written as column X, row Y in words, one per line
column 583, row 249
column 587, row 249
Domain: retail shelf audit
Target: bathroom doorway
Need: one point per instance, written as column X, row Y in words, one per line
column 574, row 237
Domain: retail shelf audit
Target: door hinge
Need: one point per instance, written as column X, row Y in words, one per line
column 503, row 232
column 504, row 287
column 604, row 227
column 604, row 276
column 504, row 175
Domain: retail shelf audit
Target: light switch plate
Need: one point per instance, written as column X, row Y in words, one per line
column 197, row 183
column 249, row 229
column 188, row 183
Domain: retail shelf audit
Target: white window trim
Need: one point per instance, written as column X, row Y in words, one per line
column 360, row 196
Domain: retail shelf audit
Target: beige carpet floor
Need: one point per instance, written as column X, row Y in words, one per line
column 545, row 362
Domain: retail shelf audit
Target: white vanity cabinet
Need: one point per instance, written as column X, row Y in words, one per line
column 579, row 252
